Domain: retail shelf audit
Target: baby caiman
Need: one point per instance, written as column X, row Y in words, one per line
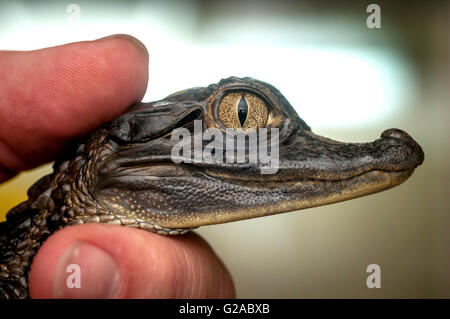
column 127, row 172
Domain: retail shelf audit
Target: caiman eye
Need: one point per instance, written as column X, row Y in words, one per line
column 243, row 110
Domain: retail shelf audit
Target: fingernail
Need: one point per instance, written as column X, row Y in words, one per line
column 135, row 41
column 86, row 271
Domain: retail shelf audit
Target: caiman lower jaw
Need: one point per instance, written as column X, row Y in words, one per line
column 311, row 193
column 360, row 185
column 230, row 199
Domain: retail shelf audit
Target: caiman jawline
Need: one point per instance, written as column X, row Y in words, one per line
column 319, row 193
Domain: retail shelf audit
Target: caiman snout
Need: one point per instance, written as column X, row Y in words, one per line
column 412, row 154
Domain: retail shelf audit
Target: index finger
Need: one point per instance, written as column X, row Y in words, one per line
column 53, row 95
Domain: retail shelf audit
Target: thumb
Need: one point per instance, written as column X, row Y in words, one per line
column 110, row 261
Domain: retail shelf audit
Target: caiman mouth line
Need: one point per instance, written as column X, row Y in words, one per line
column 289, row 178
column 162, row 168
column 249, row 180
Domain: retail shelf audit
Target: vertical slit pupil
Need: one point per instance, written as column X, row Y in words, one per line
column 242, row 110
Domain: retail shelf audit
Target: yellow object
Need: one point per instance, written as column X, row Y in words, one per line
column 14, row 191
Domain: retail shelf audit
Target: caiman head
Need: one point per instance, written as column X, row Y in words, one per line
column 152, row 169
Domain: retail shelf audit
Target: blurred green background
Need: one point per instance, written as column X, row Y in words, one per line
column 347, row 81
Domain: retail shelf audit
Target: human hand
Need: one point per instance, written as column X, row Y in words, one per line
column 55, row 95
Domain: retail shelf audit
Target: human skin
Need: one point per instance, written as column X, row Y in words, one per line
column 50, row 98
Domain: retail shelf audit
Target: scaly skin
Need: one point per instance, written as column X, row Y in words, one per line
column 124, row 174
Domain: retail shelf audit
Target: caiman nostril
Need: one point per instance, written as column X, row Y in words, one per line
column 396, row 133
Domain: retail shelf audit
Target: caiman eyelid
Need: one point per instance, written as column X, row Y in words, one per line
column 140, row 128
column 190, row 117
